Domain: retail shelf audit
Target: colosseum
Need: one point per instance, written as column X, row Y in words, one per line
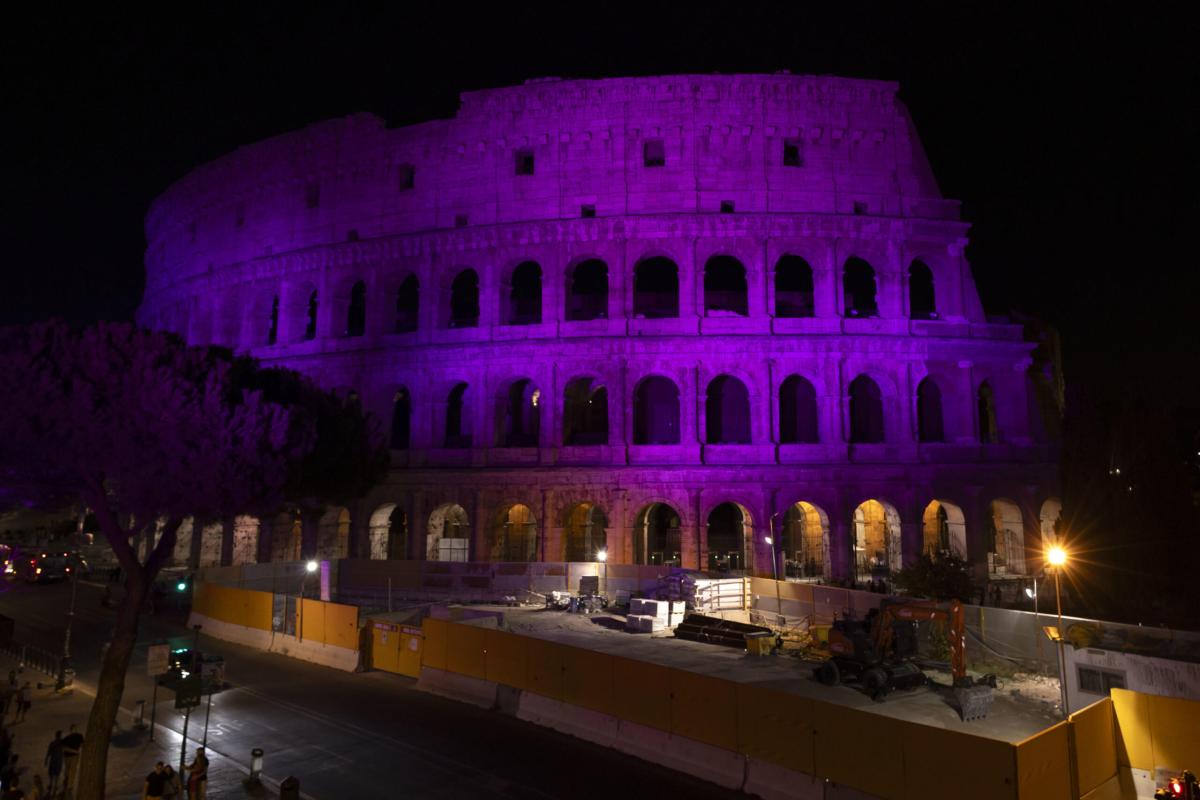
column 692, row 320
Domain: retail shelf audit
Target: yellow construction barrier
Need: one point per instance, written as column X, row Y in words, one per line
column 385, row 646
column 642, row 693
column 949, row 764
column 311, row 620
column 465, row 646
column 434, row 654
column 776, row 727
column 408, row 662
column 1044, row 765
column 341, row 625
column 544, row 668
column 704, row 708
column 587, row 679
column 1094, row 738
column 845, row 737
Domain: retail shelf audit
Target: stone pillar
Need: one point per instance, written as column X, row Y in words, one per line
column 227, row 526
column 197, row 542
column 360, row 530
column 418, row 522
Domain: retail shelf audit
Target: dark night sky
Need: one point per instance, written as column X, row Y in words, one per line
column 1070, row 136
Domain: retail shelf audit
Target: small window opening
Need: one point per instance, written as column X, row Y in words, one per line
column 312, row 195
column 587, row 211
column 791, row 153
column 460, row 220
column 310, row 327
column 406, row 176
column 654, row 153
column 726, row 206
column 860, row 207
column 352, row 235
column 523, row 161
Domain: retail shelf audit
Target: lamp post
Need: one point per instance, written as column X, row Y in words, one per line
column 774, row 563
column 309, row 569
column 602, row 557
column 1057, row 558
column 1037, row 620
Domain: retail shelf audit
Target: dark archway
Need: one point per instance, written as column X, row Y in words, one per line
column 921, row 299
column 656, row 412
column 458, row 431
column 989, row 433
column 727, row 411
column 585, row 413
column 514, row 535
column 525, row 295
column 929, row 412
column 866, row 411
column 464, row 300
column 401, row 420
column 310, row 324
column 585, row 532
column 407, row 305
column 794, row 295
column 657, row 537
column 356, row 313
column 727, row 538
column 858, row 283
column 587, row 293
column 798, row 412
column 273, row 328
column 725, row 287
column 656, row 288
column 519, row 419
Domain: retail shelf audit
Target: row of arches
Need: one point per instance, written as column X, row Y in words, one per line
column 517, row 410
column 655, row 295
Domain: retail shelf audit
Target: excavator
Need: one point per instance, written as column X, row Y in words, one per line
column 880, row 652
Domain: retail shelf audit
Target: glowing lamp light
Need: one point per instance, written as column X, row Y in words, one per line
column 768, row 540
column 181, row 586
column 311, row 566
column 1029, row 591
column 602, row 556
column 1056, row 556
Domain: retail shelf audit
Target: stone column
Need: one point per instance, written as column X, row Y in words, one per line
column 227, row 526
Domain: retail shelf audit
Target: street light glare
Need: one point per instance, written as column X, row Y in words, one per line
column 311, row 566
column 768, row 540
column 1056, row 556
column 602, row 556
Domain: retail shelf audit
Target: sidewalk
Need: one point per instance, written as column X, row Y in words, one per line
column 131, row 754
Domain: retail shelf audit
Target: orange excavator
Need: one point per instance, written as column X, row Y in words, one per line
column 880, row 652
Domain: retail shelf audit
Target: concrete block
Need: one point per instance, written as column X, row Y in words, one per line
column 706, row 762
column 773, row 782
column 581, row 723
column 464, row 688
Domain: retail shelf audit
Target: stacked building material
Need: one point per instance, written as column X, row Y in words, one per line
column 699, row 628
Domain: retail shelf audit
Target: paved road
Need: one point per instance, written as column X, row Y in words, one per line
column 351, row 736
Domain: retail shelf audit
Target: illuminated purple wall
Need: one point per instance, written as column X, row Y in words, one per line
column 807, row 236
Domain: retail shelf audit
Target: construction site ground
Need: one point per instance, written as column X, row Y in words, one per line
column 1022, row 706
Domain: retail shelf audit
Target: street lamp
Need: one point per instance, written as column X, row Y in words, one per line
column 770, row 540
column 602, row 557
column 1056, row 558
column 309, row 569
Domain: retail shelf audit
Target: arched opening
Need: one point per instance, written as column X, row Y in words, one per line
column 388, row 533
column 585, row 532
column 797, row 411
column 519, row 415
column 1005, row 536
column 587, row 293
column 525, row 295
column 988, row 432
column 805, row 542
column 727, row 411
column 514, row 534
column 458, row 430
column 408, row 303
column 401, row 419
column 944, row 530
column 929, row 412
column 273, row 323
column 356, row 313
column 728, row 530
column 585, row 412
column 794, row 296
column 287, row 537
column 448, row 534
column 725, row 287
column 211, row 538
column 656, row 288
column 1049, row 517
column 876, row 541
column 657, row 537
column 866, row 411
column 310, row 324
column 333, row 534
column 656, row 411
column 858, row 283
column 464, row 300
column 921, row 301
column 245, row 540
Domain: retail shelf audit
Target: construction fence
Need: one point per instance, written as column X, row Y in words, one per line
column 317, row 621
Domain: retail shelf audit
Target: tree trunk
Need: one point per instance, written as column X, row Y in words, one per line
column 94, row 757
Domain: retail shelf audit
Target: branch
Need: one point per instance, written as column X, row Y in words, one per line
column 163, row 548
column 118, row 538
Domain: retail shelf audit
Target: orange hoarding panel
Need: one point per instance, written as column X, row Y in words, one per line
column 408, row 661
column 385, row 647
column 858, row 749
column 1095, row 738
column 341, row 625
column 312, row 620
column 704, row 708
column 1175, row 731
column 258, row 608
column 641, row 693
column 506, row 654
column 544, row 668
column 465, row 645
column 1044, row 765
column 776, row 727
column 949, row 764
column 588, row 679
column 1132, row 710
column 433, row 653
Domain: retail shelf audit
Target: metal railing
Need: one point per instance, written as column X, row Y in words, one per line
column 35, row 658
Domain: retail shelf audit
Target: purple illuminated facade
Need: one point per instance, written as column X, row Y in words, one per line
column 643, row 315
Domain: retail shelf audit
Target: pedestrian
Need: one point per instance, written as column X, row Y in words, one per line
column 12, row 789
column 152, row 789
column 6, row 696
column 12, row 678
column 198, row 776
column 24, row 701
column 54, row 762
column 11, row 771
column 171, row 789
column 72, row 745
column 6, row 742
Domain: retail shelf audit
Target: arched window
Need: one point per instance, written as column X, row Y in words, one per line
column 514, row 534
column 944, row 530
column 657, row 538
column 273, row 328
column 525, row 295
column 929, row 412
column 858, row 282
column 727, row 411
column 866, row 411
column 797, row 411
column 401, row 420
column 656, row 288
column 585, row 532
column 356, row 314
column 448, row 534
column 407, row 305
column 519, row 416
column 726, row 538
column 585, row 413
column 725, row 287
column 1005, row 535
column 988, row 432
column 458, row 432
column 805, row 536
column 921, row 303
column 876, row 541
column 388, row 533
column 587, row 294
column 310, row 327
column 794, row 288
column 656, row 412
column 464, row 300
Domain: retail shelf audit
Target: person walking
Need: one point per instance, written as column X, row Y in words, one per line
column 54, row 761
column 24, row 701
column 12, row 790
column 72, row 745
column 198, row 776
column 152, row 789
column 6, row 697
column 171, row 789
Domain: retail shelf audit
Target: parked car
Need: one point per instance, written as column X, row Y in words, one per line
column 43, row 567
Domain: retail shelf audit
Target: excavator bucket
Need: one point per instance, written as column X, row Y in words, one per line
column 974, row 702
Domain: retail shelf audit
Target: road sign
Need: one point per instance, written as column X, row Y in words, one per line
column 187, row 692
column 158, row 659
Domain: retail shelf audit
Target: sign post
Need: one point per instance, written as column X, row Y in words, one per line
column 157, row 663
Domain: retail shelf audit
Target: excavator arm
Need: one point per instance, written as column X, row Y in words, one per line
column 949, row 612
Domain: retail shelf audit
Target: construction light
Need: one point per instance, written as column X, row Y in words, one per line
column 1056, row 556
column 311, row 566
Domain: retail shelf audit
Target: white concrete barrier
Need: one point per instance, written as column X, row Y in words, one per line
column 228, row 632
column 581, row 723
column 312, row 651
column 464, row 688
column 773, row 782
